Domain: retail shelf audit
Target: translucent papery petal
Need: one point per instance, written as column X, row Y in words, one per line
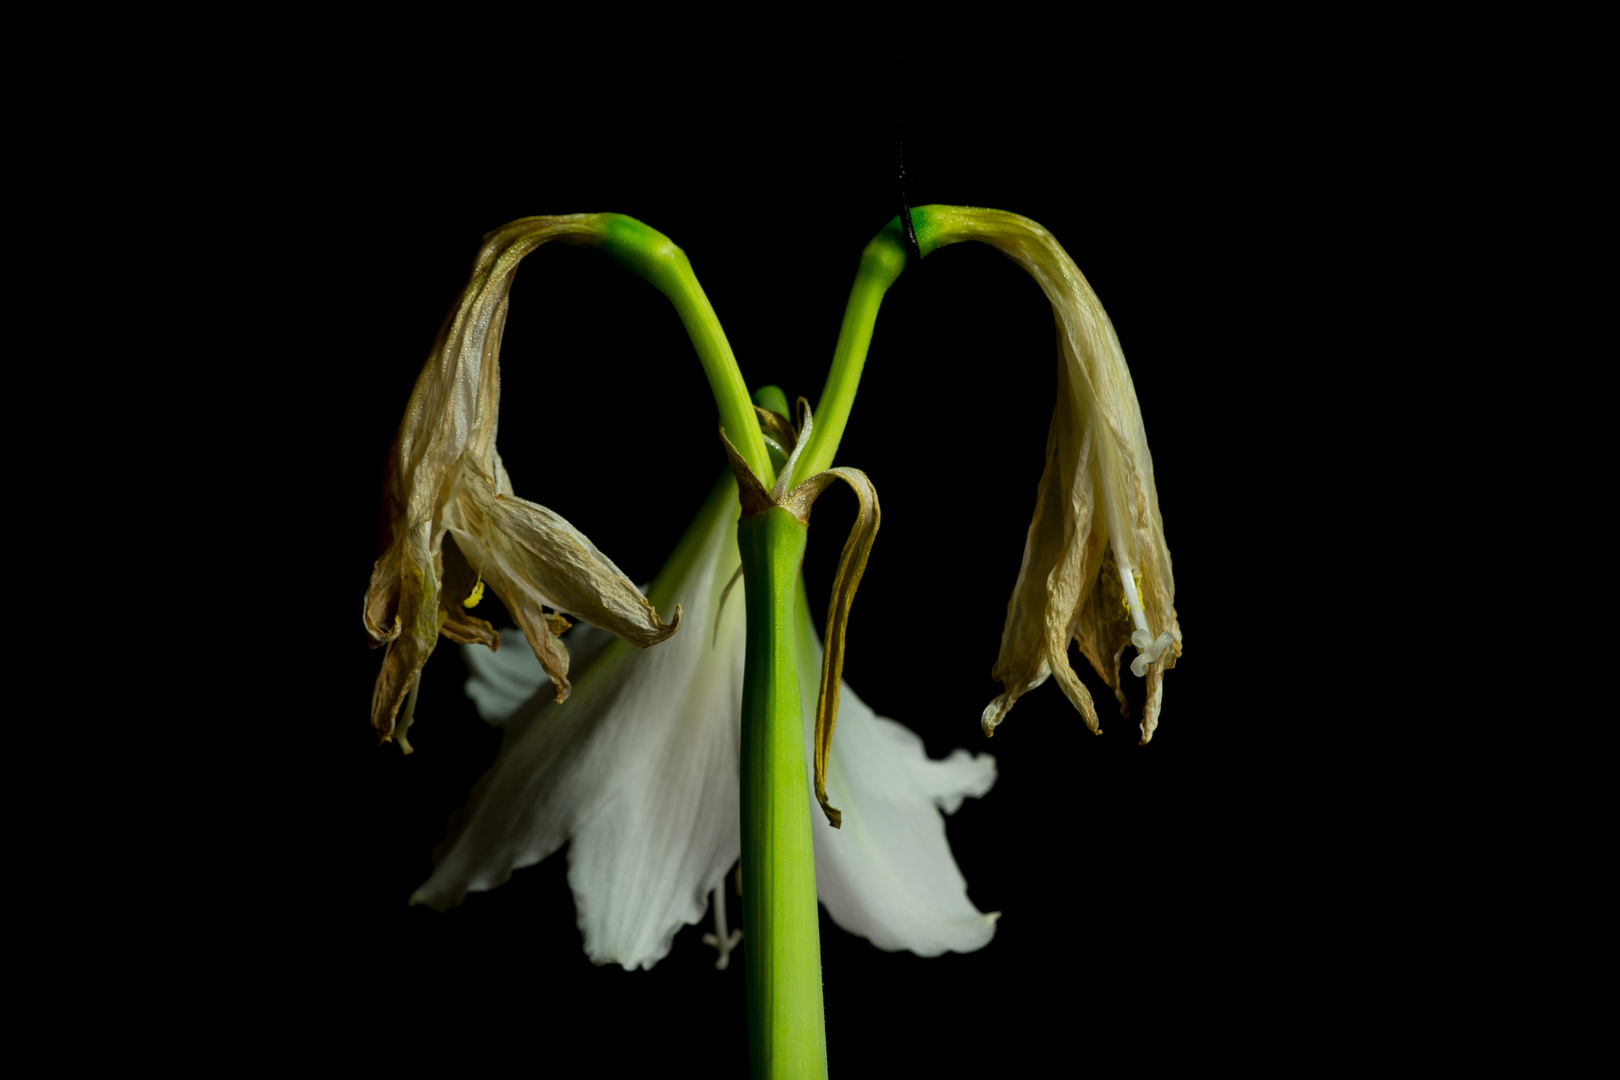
column 1094, row 365
column 534, row 559
column 888, row 873
column 453, row 407
column 546, row 556
column 637, row 770
column 1061, row 554
column 454, row 404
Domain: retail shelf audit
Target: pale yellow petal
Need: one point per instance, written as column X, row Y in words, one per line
column 1127, row 508
column 534, row 559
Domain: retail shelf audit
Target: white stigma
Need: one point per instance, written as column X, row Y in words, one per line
column 723, row 942
column 1142, row 639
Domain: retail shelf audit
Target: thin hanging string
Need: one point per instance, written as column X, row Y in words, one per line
column 900, row 169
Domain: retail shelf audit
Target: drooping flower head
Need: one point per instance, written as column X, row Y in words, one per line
column 444, row 474
column 1095, row 569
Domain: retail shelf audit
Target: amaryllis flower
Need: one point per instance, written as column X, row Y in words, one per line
column 1095, row 567
column 443, row 474
column 638, row 773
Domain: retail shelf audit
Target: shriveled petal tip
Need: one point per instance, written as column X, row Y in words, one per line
column 380, row 611
column 995, row 712
column 392, row 697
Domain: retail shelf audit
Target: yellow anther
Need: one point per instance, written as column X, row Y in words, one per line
column 1124, row 597
column 476, row 595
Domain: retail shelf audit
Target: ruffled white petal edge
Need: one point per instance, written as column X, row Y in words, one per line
column 888, row 874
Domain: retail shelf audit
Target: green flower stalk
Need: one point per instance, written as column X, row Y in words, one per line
column 782, row 963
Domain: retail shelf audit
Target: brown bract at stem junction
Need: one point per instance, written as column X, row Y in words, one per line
column 851, row 561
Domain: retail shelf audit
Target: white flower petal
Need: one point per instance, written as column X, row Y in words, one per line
column 888, row 873
column 501, row 682
column 638, row 769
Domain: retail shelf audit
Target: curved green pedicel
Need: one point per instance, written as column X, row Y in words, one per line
column 655, row 258
column 882, row 263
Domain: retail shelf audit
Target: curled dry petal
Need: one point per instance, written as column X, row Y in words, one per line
column 1097, row 504
column 447, row 437
column 535, row 559
column 851, row 566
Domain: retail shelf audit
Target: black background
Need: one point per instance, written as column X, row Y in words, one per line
column 1135, row 882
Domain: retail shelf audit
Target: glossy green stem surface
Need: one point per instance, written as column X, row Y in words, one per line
column 882, row 263
column 782, row 953
column 655, row 258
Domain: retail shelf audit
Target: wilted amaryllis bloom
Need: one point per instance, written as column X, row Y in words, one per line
column 444, row 474
column 1095, row 567
column 638, row 773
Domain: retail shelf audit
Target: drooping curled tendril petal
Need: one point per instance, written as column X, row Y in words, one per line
column 851, row 565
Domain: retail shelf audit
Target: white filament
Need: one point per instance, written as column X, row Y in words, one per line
column 1134, row 602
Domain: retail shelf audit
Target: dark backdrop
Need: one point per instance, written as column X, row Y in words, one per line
column 1134, row 882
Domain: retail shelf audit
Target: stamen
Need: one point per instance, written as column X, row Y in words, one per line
column 476, row 595
column 1133, row 601
column 723, row 942
column 1141, row 638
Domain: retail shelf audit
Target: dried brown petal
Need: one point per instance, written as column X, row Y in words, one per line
column 534, row 560
column 851, row 566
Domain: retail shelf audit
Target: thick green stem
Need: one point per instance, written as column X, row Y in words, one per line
column 654, row 257
column 782, row 954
